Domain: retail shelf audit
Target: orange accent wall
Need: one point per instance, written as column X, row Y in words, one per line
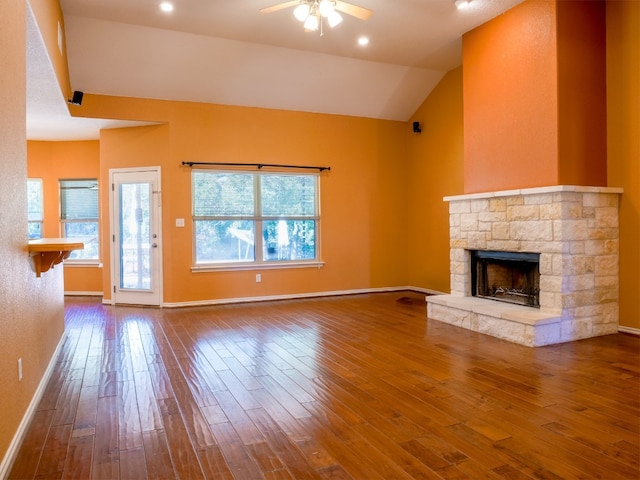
column 534, row 97
column 582, row 98
column 511, row 100
column 434, row 170
column 52, row 161
column 623, row 131
column 363, row 197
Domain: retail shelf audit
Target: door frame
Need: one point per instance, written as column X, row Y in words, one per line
column 114, row 255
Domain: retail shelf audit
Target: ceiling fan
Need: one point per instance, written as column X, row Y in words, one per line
column 312, row 12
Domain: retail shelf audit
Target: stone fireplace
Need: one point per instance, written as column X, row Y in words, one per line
column 565, row 288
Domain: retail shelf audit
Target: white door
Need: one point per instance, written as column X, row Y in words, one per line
column 136, row 253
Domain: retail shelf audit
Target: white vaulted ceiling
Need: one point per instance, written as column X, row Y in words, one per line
column 228, row 52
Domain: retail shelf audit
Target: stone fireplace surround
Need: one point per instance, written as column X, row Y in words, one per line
column 575, row 230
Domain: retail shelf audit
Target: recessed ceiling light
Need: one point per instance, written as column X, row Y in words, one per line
column 462, row 4
column 363, row 41
column 166, row 7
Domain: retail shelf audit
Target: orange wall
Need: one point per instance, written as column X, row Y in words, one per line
column 31, row 308
column 623, row 130
column 363, row 197
column 534, row 97
column 435, row 170
column 582, row 98
column 52, row 161
column 511, row 100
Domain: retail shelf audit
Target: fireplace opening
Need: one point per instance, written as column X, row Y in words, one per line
column 512, row 277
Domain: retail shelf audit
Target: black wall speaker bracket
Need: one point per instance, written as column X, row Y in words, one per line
column 76, row 99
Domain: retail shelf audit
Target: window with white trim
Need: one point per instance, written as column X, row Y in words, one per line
column 79, row 218
column 35, row 207
column 232, row 209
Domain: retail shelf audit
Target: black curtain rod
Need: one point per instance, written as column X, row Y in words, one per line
column 258, row 165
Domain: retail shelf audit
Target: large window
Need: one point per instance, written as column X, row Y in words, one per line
column 231, row 209
column 79, row 216
column 35, row 207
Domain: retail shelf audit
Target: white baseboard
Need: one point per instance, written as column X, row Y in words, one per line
column 268, row 298
column 631, row 330
column 14, row 446
column 83, row 294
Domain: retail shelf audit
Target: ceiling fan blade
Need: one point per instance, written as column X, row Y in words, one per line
column 279, row 6
column 353, row 10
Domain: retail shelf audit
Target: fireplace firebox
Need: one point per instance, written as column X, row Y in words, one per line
column 512, row 277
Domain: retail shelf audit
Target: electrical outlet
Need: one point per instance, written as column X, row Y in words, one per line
column 258, row 278
column 20, row 369
column 179, row 222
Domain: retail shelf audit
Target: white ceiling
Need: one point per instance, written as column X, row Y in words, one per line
column 228, row 52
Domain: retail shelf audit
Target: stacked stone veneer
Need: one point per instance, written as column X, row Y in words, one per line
column 575, row 230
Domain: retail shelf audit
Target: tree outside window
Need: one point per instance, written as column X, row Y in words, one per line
column 79, row 216
column 232, row 209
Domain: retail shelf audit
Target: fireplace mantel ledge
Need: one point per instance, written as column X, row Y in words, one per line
column 534, row 191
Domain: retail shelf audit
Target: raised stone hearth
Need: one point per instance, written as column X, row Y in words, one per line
column 575, row 231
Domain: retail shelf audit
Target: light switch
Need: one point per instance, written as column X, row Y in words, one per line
column 179, row 222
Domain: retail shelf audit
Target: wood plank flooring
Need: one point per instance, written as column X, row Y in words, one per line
column 355, row 387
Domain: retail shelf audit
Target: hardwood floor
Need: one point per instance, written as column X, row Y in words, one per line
column 357, row 387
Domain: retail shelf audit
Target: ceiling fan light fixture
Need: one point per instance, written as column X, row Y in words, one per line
column 326, row 8
column 334, row 19
column 311, row 23
column 166, row 7
column 301, row 12
column 462, row 4
column 316, row 14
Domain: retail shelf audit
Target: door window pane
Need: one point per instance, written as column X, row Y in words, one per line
column 135, row 236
